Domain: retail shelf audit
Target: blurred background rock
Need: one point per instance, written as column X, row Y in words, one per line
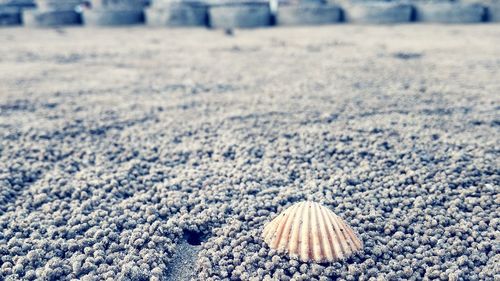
column 114, row 12
column 228, row 14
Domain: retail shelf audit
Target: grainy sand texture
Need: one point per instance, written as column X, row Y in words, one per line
column 156, row 154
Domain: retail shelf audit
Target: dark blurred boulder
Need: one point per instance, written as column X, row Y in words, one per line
column 308, row 14
column 240, row 15
column 49, row 18
column 450, row 12
column 119, row 4
column 60, row 5
column 378, row 12
column 177, row 14
column 113, row 17
column 10, row 16
column 53, row 13
column 493, row 12
column 17, row 3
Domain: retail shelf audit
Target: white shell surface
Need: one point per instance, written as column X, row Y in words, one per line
column 311, row 232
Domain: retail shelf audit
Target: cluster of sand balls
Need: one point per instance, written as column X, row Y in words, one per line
column 419, row 218
column 90, row 191
column 422, row 211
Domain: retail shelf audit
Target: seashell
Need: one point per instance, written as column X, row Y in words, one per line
column 311, row 232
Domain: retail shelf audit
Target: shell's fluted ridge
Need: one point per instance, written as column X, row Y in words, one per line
column 311, row 232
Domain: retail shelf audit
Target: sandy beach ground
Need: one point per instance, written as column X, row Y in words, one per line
column 155, row 154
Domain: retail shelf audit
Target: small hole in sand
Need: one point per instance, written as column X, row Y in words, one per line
column 193, row 238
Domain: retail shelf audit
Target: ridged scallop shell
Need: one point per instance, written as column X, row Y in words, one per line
column 311, row 232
